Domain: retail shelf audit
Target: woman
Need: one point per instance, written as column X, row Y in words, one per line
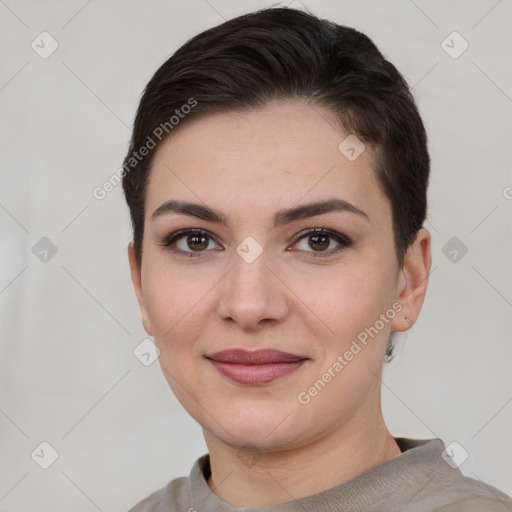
column 277, row 179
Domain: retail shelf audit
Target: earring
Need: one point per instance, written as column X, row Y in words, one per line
column 407, row 319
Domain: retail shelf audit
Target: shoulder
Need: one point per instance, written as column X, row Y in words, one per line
column 177, row 493
column 470, row 495
column 462, row 494
column 166, row 499
column 440, row 487
column 150, row 504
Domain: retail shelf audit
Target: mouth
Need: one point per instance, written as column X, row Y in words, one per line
column 258, row 367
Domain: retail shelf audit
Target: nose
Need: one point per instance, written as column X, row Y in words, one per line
column 252, row 295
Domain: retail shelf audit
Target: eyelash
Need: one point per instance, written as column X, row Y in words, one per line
column 343, row 240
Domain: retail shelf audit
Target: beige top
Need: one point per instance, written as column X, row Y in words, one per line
column 418, row 480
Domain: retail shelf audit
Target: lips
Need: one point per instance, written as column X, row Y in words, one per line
column 263, row 356
column 258, row 367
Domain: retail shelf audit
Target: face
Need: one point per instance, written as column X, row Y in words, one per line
column 253, row 274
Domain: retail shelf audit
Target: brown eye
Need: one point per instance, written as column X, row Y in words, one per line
column 197, row 242
column 320, row 240
column 189, row 241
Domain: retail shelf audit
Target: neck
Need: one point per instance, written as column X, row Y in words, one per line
column 292, row 474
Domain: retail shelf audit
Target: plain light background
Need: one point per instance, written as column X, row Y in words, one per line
column 69, row 325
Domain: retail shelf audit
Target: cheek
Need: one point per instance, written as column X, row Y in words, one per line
column 345, row 300
column 176, row 310
column 175, row 301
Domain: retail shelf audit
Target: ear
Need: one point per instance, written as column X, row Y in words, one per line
column 137, row 284
column 413, row 281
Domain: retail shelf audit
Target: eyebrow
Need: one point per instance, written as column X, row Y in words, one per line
column 281, row 217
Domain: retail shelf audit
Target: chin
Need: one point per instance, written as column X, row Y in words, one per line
column 257, row 442
column 263, row 431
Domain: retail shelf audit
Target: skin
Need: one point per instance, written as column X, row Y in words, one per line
column 249, row 166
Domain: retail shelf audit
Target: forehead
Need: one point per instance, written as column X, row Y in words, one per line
column 264, row 159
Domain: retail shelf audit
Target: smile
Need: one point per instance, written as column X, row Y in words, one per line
column 260, row 367
column 256, row 373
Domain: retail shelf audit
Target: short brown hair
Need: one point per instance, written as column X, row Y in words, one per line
column 280, row 54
